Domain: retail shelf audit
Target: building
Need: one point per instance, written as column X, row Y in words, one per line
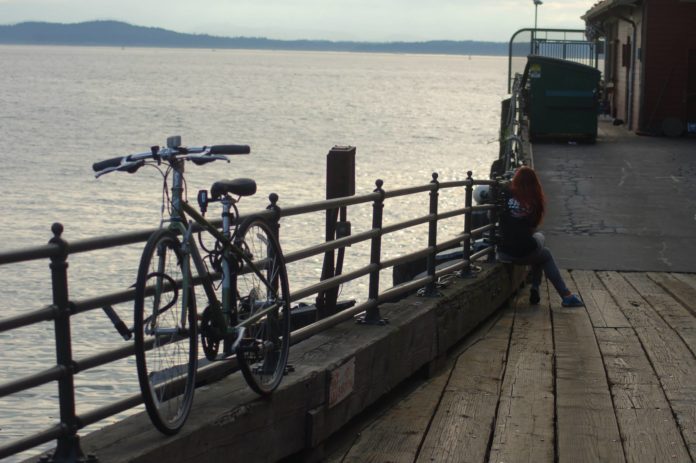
column 650, row 62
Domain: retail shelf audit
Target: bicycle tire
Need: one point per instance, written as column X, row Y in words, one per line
column 167, row 369
column 263, row 354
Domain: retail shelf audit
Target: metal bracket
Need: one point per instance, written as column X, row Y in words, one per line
column 363, row 320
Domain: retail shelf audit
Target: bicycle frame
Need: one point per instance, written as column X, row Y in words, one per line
column 179, row 212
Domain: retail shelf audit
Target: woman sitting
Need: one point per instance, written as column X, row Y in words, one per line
column 521, row 244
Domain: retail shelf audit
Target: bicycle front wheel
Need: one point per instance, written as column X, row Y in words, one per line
column 165, row 333
column 263, row 300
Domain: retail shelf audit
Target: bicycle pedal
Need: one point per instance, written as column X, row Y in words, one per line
column 289, row 368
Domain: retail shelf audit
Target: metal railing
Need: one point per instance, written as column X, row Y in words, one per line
column 566, row 44
column 512, row 153
column 62, row 309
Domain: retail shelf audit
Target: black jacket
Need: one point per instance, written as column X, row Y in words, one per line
column 517, row 228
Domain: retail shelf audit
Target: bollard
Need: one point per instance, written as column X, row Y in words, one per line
column 430, row 289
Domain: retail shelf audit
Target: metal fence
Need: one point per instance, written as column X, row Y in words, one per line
column 566, row 44
column 512, row 154
column 63, row 308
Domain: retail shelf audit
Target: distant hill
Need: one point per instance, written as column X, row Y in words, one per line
column 115, row 33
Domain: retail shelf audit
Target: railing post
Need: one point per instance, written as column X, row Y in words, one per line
column 466, row 246
column 275, row 221
column 430, row 289
column 68, row 446
column 372, row 316
column 495, row 199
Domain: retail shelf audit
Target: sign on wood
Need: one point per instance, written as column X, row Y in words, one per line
column 342, row 380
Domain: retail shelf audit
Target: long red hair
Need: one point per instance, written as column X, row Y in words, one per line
column 527, row 189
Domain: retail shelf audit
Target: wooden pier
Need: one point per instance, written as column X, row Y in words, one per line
column 614, row 381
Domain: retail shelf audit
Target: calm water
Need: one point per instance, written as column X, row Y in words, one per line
column 63, row 108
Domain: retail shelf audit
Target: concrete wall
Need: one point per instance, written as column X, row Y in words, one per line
column 231, row 423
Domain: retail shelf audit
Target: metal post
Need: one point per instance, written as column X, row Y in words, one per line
column 372, row 316
column 466, row 271
column 275, row 222
column 68, row 446
column 432, row 237
column 495, row 199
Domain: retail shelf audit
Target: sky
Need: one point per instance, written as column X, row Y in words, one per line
column 355, row 20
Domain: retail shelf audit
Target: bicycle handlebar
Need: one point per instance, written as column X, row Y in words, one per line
column 230, row 149
column 199, row 155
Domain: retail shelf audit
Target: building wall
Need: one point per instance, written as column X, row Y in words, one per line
column 621, row 41
column 670, row 32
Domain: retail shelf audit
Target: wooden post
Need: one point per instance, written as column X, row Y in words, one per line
column 340, row 182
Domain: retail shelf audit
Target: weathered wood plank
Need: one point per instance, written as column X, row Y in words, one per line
column 600, row 306
column 679, row 288
column 396, row 436
column 586, row 424
column 688, row 278
column 524, row 423
column 461, row 427
column 680, row 319
column 669, row 356
column 648, row 430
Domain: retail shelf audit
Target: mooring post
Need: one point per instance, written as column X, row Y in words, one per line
column 68, row 446
column 430, row 289
column 466, row 243
column 372, row 316
column 340, row 182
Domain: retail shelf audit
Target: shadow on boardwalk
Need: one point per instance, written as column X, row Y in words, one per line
column 612, row 382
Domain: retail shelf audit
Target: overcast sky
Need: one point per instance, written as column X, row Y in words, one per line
column 361, row 20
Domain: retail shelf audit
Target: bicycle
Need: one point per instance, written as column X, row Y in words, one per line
column 251, row 316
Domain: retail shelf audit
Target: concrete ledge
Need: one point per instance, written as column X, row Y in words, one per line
column 230, row 422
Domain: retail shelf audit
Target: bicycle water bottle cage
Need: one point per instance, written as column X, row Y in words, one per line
column 238, row 186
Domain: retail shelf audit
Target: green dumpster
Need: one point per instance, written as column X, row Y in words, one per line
column 561, row 99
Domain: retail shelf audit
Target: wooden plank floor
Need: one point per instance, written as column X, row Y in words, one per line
column 612, row 382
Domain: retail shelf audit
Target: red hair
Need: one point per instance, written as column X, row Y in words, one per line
column 527, row 189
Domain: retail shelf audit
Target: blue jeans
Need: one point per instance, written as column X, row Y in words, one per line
column 541, row 260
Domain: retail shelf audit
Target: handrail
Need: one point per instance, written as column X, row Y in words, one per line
column 63, row 308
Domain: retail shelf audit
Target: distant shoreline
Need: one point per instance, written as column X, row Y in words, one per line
column 120, row 34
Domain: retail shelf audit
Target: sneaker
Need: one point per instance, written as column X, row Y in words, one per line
column 572, row 301
column 534, row 296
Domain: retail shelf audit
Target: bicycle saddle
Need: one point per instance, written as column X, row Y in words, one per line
column 238, row 186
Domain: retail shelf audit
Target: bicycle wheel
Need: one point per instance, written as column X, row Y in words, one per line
column 165, row 333
column 263, row 352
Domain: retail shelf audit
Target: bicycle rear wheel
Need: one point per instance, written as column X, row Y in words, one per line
column 165, row 333
column 263, row 353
